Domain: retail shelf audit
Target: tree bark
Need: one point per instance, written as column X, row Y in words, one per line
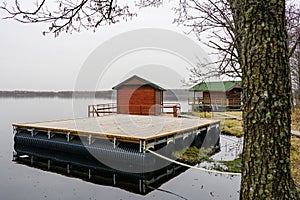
column 266, row 170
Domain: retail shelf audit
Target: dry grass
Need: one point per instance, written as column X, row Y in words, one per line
column 296, row 119
column 232, row 127
column 193, row 155
column 203, row 114
column 235, row 113
column 295, row 161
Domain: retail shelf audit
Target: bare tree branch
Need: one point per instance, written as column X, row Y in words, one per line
column 69, row 16
column 219, row 19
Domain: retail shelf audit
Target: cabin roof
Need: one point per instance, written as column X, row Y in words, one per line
column 137, row 81
column 216, row 86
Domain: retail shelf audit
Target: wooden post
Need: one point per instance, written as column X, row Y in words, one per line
column 175, row 111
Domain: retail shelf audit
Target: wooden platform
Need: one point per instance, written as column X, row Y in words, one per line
column 133, row 128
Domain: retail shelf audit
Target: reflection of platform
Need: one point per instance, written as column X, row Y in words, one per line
column 91, row 170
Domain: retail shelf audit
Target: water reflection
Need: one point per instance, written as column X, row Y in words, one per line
column 91, row 170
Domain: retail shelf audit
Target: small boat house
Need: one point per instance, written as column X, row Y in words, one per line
column 139, row 97
column 208, row 96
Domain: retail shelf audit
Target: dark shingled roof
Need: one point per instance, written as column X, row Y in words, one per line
column 136, row 80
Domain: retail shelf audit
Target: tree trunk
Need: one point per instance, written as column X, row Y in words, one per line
column 266, row 172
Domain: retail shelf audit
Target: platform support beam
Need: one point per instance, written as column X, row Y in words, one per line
column 140, row 149
column 15, row 130
column 33, row 132
column 90, row 139
column 142, row 146
column 68, row 136
column 49, row 134
column 115, row 142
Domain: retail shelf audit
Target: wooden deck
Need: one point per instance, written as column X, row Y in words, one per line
column 122, row 127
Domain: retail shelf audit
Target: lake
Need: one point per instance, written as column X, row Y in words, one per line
column 27, row 182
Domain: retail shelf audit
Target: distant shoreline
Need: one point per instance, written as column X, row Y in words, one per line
column 173, row 94
column 59, row 94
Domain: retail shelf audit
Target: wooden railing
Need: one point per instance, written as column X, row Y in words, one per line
column 171, row 108
column 110, row 108
column 195, row 100
column 214, row 101
column 101, row 109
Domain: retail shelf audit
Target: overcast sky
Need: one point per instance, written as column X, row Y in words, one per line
column 31, row 61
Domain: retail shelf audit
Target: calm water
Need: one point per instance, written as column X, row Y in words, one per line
column 24, row 182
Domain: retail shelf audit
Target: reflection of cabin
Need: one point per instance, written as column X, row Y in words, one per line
column 216, row 95
column 139, row 96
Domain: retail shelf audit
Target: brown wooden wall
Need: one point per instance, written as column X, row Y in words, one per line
column 234, row 97
column 214, row 98
column 139, row 100
column 230, row 98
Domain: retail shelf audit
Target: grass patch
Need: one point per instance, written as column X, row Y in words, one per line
column 296, row 119
column 235, row 113
column 202, row 114
column 295, row 160
column 232, row 127
column 193, row 155
column 234, row 165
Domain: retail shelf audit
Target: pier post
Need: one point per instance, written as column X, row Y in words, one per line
column 32, row 132
column 115, row 142
column 90, row 139
column 144, row 146
column 140, row 150
column 68, row 136
column 49, row 134
column 15, row 130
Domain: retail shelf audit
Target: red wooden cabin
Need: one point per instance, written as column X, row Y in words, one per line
column 139, row 96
